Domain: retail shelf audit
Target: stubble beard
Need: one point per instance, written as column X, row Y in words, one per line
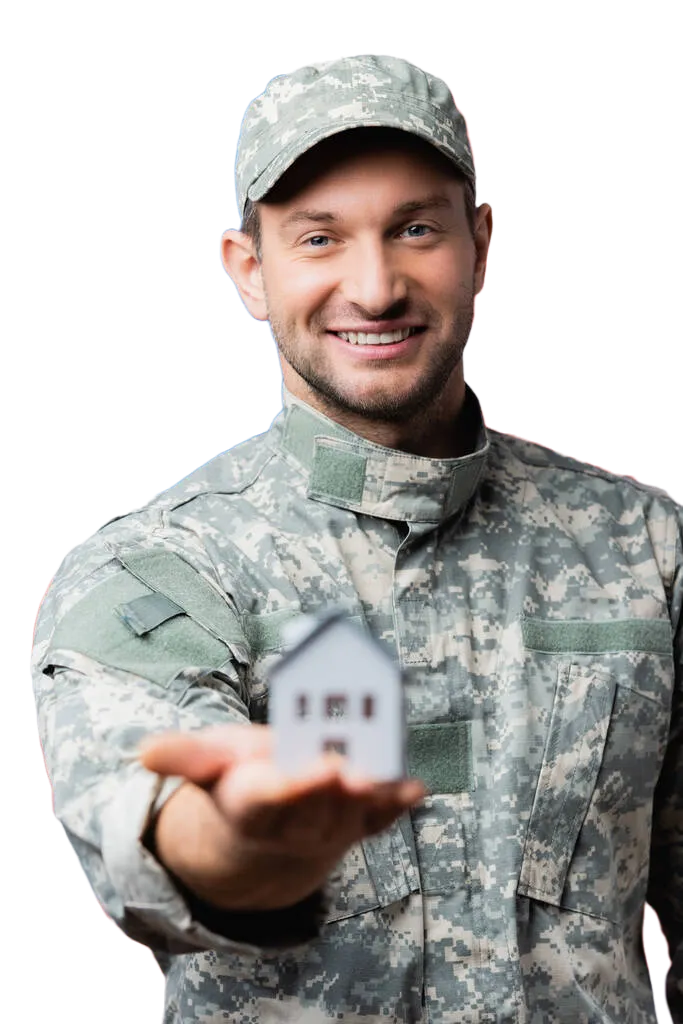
column 382, row 407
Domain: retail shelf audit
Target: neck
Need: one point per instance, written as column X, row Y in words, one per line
column 443, row 430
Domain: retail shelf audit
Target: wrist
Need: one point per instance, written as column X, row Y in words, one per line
column 194, row 844
column 284, row 926
column 273, row 927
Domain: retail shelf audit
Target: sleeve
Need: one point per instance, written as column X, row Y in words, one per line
column 142, row 642
column 665, row 888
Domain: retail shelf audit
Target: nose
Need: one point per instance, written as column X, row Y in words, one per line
column 371, row 278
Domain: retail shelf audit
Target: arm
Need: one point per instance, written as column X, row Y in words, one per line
column 166, row 855
column 92, row 721
column 247, row 841
column 665, row 889
column 101, row 687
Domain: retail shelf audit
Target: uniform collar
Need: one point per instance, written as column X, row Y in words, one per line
column 345, row 470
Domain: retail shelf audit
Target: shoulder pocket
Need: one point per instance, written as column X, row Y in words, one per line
column 155, row 617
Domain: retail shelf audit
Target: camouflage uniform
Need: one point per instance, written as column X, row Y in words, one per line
column 533, row 605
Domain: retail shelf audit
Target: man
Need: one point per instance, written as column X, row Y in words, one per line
column 532, row 603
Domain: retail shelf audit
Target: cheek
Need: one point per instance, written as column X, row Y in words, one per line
column 450, row 271
column 451, row 284
column 309, row 288
column 443, row 276
column 297, row 292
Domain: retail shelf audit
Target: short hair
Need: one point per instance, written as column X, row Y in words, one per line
column 365, row 140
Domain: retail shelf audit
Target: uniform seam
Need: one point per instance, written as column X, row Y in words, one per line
column 564, row 464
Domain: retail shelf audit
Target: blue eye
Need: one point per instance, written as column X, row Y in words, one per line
column 416, row 230
column 412, row 231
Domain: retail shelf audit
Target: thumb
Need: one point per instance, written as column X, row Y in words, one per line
column 204, row 755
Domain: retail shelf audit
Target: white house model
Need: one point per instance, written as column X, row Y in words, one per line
column 337, row 690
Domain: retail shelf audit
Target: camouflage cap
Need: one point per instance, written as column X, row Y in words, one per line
column 299, row 110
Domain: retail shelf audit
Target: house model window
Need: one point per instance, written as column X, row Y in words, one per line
column 338, row 691
column 335, row 706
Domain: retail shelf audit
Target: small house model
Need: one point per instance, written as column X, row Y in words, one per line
column 337, row 690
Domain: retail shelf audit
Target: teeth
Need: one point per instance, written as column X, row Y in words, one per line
column 386, row 338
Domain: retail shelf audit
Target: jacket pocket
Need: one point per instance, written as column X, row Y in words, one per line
column 572, row 758
column 374, row 874
column 588, row 835
column 153, row 615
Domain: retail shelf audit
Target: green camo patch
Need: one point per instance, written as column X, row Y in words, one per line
column 171, row 575
column 337, row 474
column 584, row 637
column 95, row 627
column 264, row 632
column 440, row 754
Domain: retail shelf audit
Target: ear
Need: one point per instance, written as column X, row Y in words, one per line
column 483, row 226
column 242, row 265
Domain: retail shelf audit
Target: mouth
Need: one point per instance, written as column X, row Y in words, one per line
column 378, row 337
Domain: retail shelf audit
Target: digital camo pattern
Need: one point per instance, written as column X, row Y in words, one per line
column 533, row 597
column 298, row 110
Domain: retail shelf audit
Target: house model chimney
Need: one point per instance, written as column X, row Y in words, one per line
column 337, row 690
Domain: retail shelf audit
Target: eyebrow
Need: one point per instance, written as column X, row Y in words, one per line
column 430, row 202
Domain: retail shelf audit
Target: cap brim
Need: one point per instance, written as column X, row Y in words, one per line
column 288, row 155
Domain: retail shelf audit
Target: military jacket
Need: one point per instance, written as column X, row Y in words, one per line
column 533, row 604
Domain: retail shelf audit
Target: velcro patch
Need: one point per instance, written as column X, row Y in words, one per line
column 579, row 636
column 440, row 754
column 337, row 473
column 95, row 627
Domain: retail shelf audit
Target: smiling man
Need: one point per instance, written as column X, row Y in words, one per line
column 531, row 602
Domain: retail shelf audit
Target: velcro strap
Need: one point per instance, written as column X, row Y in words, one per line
column 145, row 613
column 578, row 636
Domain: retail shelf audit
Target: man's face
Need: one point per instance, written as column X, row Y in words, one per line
column 370, row 271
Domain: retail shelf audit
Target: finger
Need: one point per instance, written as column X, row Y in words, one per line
column 262, row 802
column 403, row 791
column 388, row 802
column 308, row 827
column 259, row 782
column 406, row 792
column 202, row 756
column 376, row 819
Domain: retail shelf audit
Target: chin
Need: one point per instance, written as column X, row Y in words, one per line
column 384, row 407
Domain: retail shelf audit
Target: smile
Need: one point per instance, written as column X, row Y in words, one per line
column 383, row 338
